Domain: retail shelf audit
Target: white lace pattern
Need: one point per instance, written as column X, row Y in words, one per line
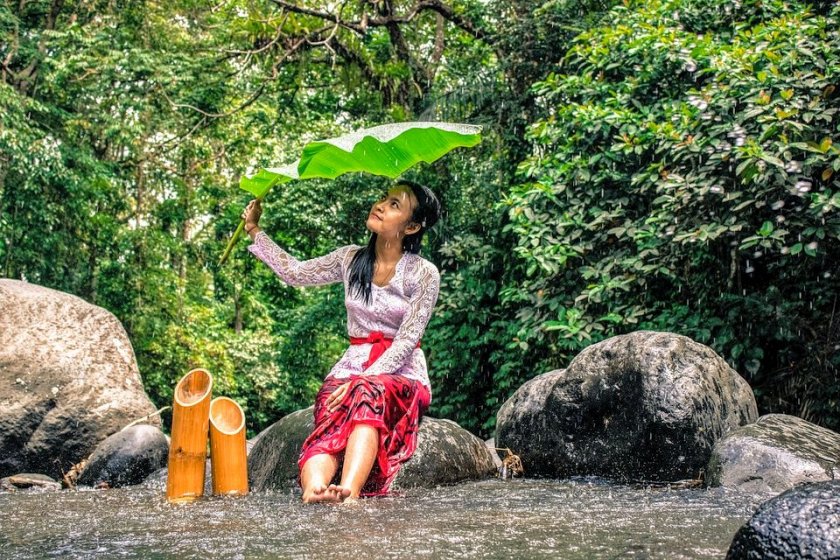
column 400, row 310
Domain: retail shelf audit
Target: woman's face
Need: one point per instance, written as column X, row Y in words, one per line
column 390, row 216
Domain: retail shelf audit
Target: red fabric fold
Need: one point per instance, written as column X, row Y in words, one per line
column 391, row 403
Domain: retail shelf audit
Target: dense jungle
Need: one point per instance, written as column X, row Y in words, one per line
column 667, row 165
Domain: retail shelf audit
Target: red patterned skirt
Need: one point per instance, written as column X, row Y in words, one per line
column 391, row 403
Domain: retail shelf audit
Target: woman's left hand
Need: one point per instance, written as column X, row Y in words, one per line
column 336, row 397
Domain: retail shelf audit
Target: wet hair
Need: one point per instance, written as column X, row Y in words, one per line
column 426, row 213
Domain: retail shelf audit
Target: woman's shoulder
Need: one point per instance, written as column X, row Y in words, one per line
column 348, row 252
column 420, row 266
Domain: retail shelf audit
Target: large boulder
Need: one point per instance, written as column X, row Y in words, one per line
column 802, row 523
column 126, row 458
column 68, row 379
column 446, row 453
column 641, row 406
column 272, row 462
column 774, row 454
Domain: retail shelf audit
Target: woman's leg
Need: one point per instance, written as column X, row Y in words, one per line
column 315, row 478
column 359, row 457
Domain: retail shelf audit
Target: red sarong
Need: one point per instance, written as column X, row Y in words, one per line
column 391, row 403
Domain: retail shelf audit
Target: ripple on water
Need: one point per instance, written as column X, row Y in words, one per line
column 488, row 519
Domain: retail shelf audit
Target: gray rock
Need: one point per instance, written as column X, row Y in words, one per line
column 641, row 406
column 68, row 379
column 446, row 453
column 272, row 463
column 774, row 454
column 494, row 453
column 802, row 523
column 126, row 458
column 29, row 481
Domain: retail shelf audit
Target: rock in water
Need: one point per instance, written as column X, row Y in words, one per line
column 802, row 523
column 29, row 481
column 446, row 453
column 68, row 379
column 640, row 406
column 126, row 458
column 272, row 463
column 774, row 454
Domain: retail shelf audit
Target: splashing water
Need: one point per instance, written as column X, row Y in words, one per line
column 570, row 519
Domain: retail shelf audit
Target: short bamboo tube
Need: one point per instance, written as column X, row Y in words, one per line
column 188, row 444
column 228, row 455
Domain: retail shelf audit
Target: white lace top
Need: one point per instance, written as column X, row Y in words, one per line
column 400, row 310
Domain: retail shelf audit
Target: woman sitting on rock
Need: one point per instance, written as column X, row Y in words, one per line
column 368, row 409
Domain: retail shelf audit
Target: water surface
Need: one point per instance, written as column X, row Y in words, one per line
column 578, row 519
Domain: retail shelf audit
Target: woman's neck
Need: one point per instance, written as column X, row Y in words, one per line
column 388, row 251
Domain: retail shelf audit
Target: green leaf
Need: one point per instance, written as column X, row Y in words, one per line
column 766, row 229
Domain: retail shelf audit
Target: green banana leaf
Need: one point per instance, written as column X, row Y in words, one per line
column 387, row 150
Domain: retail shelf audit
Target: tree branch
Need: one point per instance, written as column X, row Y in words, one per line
column 353, row 26
column 437, row 6
column 360, row 27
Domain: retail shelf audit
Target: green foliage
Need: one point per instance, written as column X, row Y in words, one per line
column 669, row 165
column 686, row 182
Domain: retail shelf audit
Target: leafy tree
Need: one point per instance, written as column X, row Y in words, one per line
column 685, row 180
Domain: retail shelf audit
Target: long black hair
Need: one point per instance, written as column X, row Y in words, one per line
column 426, row 213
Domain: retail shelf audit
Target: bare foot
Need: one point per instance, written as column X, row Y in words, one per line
column 317, row 493
column 321, row 493
column 340, row 492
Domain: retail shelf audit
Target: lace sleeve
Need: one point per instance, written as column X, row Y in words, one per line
column 421, row 304
column 314, row 272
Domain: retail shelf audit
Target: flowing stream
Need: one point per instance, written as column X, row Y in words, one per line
column 569, row 519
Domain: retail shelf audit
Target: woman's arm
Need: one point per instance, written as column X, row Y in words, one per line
column 413, row 325
column 314, row 272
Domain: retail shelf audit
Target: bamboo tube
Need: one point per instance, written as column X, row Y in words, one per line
column 228, row 456
column 188, row 445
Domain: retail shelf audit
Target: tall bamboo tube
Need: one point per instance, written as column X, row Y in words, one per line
column 228, row 456
column 188, row 446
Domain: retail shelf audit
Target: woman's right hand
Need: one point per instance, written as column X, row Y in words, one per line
column 252, row 214
column 335, row 398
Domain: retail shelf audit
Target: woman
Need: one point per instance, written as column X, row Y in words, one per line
column 368, row 409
